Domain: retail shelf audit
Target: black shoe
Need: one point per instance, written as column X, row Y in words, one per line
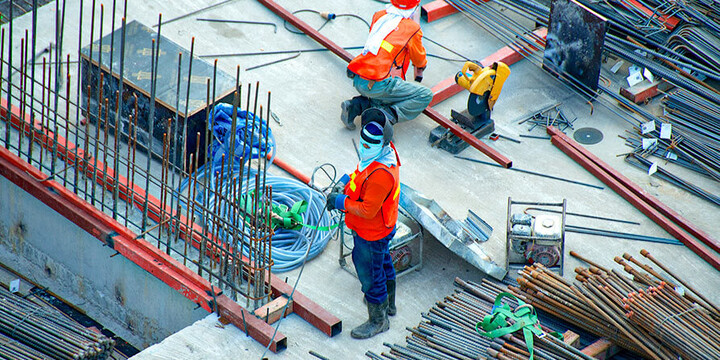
column 377, row 322
column 351, row 109
column 392, row 310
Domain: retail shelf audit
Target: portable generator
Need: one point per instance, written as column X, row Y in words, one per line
column 536, row 239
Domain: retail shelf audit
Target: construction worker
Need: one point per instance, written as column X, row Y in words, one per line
column 378, row 73
column 369, row 197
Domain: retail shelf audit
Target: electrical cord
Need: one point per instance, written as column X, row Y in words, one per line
column 331, row 16
column 289, row 246
column 333, row 182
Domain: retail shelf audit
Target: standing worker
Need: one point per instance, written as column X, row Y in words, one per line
column 370, row 196
column 378, row 73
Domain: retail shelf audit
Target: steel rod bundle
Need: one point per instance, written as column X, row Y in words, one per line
column 47, row 331
column 645, row 164
column 448, row 331
column 642, row 312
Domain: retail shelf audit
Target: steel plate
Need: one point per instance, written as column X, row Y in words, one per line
column 588, row 136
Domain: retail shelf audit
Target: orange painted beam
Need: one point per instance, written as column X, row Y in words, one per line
column 508, row 55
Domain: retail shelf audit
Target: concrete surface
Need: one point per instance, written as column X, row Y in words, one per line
column 52, row 251
column 307, row 92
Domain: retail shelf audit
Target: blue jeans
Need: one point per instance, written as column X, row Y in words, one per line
column 374, row 266
column 407, row 98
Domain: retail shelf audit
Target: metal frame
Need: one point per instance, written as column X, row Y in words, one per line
column 509, row 236
column 415, row 236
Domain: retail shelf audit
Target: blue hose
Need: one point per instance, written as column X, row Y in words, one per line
column 288, row 246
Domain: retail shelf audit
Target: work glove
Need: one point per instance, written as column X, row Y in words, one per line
column 331, row 198
column 419, row 73
column 340, row 185
column 336, row 200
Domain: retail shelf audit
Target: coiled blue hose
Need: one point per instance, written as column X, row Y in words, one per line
column 288, row 246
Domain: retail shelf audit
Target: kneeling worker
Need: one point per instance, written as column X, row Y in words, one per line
column 370, row 196
column 378, row 73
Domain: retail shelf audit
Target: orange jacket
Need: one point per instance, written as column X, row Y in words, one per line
column 401, row 46
column 372, row 200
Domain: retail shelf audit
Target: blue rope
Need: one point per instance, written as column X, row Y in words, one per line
column 288, row 246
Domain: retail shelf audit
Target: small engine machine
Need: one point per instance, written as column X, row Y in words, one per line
column 536, row 239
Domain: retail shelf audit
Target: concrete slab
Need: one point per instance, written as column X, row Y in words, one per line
column 307, row 92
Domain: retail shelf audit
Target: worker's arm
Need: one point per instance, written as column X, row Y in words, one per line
column 417, row 50
column 378, row 187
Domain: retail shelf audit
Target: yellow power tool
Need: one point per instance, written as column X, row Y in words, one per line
column 484, row 85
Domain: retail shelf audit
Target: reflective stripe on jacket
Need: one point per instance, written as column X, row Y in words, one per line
column 401, row 46
column 372, row 202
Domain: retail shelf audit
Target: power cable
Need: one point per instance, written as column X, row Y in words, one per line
column 305, row 257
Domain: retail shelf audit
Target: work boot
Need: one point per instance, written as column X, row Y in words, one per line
column 377, row 322
column 378, row 115
column 392, row 310
column 353, row 108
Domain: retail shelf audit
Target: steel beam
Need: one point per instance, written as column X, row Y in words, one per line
column 437, row 9
column 608, row 176
column 637, row 190
column 508, row 55
column 343, row 54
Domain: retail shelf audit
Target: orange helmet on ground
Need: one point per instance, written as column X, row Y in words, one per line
column 405, row 4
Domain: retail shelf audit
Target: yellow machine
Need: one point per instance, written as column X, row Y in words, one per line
column 484, row 85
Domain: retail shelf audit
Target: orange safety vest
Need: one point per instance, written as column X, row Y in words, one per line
column 384, row 221
column 395, row 52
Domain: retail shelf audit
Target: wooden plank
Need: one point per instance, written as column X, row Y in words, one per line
column 645, row 91
column 601, row 349
column 571, row 338
column 273, row 311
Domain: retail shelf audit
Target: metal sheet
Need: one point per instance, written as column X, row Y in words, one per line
column 448, row 231
column 588, row 136
column 575, row 41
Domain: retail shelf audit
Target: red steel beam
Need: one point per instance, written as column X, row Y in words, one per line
column 308, row 309
column 343, row 54
column 121, row 239
column 508, row 55
column 637, row 190
column 468, row 137
column 104, row 228
column 670, row 21
column 437, row 9
column 605, row 174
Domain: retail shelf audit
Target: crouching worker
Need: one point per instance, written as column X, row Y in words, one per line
column 378, row 73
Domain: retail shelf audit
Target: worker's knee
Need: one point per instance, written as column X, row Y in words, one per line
column 425, row 95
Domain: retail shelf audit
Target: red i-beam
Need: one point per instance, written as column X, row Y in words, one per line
column 145, row 255
column 343, row 54
column 660, row 213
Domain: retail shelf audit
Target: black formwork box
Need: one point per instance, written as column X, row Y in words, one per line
column 138, row 81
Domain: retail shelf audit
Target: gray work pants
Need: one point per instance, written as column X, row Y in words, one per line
column 407, row 98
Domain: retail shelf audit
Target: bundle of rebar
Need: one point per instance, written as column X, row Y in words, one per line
column 97, row 159
column 448, row 331
column 644, row 312
column 47, row 331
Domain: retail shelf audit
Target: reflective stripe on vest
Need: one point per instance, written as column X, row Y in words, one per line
column 393, row 54
column 372, row 229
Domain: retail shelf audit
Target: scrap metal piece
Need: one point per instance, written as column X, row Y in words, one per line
column 448, row 231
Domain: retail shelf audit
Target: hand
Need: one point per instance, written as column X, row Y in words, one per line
column 331, row 198
column 419, row 73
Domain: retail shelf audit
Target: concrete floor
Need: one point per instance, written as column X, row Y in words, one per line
column 307, row 92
